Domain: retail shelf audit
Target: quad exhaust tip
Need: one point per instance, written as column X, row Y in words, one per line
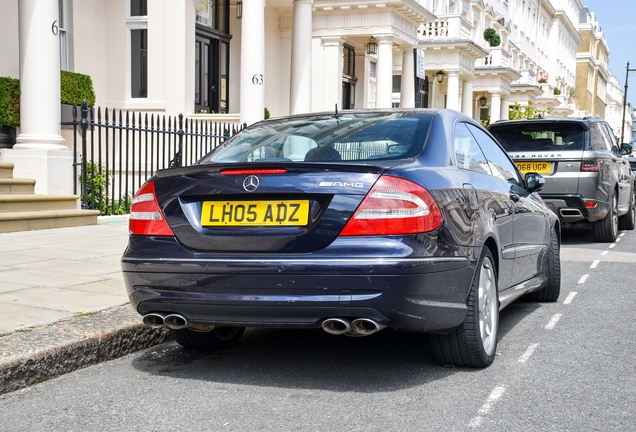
column 336, row 326
column 154, row 320
column 176, row 322
column 366, row 326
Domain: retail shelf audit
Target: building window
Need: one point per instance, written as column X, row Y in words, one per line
column 63, row 35
column 137, row 24
column 212, row 56
column 348, row 77
column 397, row 83
column 213, row 14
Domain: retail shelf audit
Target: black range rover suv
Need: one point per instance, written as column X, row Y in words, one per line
column 587, row 179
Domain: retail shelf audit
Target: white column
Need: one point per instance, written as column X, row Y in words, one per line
column 300, row 90
column 40, row 108
column 332, row 72
column 467, row 97
column 40, row 153
column 452, row 92
column 252, row 77
column 384, row 98
column 407, row 91
column 495, row 107
column 505, row 108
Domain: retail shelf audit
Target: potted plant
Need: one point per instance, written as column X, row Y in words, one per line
column 9, row 110
column 491, row 36
column 543, row 80
column 73, row 88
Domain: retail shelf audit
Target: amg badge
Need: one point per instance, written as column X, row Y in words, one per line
column 341, row 184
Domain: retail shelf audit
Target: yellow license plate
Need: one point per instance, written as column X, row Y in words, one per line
column 538, row 167
column 255, row 213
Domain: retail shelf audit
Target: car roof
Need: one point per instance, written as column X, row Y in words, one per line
column 583, row 120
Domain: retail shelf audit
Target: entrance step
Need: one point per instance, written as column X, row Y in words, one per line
column 35, row 220
column 22, row 210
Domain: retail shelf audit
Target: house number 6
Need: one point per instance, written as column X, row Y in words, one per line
column 54, row 28
column 257, row 79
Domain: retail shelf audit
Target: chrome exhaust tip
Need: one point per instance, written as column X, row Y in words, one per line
column 154, row 320
column 176, row 322
column 336, row 326
column 366, row 326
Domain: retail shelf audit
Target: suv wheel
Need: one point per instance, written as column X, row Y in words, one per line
column 606, row 229
column 628, row 221
column 552, row 263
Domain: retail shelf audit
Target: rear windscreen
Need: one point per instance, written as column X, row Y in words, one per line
column 361, row 137
column 540, row 136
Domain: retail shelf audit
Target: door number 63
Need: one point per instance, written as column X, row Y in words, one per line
column 257, row 79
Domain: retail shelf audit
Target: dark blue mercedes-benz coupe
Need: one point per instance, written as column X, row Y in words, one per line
column 352, row 222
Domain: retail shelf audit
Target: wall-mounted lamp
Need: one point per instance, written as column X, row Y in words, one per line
column 483, row 100
column 372, row 46
column 440, row 76
column 239, row 10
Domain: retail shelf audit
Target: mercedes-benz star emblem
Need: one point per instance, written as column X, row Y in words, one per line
column 250, row 183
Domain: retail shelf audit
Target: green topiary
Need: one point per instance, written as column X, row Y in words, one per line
column 491, row 36
column 9, row 102
column 556, row 91
column 74, row 87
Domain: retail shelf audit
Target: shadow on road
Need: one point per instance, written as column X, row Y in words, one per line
column 315, row 360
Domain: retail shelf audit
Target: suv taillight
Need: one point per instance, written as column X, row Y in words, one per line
column 394, row 206
column 591, row 165
column 145, row 216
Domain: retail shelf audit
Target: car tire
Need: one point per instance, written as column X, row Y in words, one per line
column 606, row 229
column 552, row 264
column 474, row 343
column 628, row 221
column 219, row 338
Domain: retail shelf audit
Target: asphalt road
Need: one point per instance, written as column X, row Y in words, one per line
column 565, row 366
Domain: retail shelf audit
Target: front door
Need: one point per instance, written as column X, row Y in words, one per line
column 211, row 73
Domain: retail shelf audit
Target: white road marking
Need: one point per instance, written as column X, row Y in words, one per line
column 621, row 234
column 583, row 279
column 569, row 298
column 495, row 395
column 618, row 239
column 595, row 263
column 553, row 322
column 604, row 252
column 612, row 245
column 526, row 355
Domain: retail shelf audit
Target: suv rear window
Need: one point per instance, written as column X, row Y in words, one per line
column 540, row 136
column 350, row 137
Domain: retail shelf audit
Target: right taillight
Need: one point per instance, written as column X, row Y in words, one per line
column 145, row 216
column 591, row 165
column 394, row 206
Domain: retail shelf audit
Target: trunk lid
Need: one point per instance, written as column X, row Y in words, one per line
column 238, row 208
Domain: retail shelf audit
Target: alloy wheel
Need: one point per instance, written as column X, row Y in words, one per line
column 488, row 306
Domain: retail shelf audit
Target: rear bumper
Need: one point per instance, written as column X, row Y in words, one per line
column 571, row 208
column 421, row 294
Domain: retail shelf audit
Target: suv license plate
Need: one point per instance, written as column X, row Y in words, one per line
column 538, row 167
column 255, row 213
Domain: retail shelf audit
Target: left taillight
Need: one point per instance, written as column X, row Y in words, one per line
column 145, row 216
column 394, row 206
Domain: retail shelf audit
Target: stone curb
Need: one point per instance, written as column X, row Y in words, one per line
column 27, row 358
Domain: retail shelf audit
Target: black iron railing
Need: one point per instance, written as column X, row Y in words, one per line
column 120, row 150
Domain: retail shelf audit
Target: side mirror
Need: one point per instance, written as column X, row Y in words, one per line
column 533, row 181
column 626, row 149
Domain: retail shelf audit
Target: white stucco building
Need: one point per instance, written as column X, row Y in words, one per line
column 204, row 57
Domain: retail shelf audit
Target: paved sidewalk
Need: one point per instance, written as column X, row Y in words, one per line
column 56, row 274
column 63, row 303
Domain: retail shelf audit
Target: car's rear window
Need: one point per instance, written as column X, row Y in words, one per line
column 356, row 137
column 532, row 136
